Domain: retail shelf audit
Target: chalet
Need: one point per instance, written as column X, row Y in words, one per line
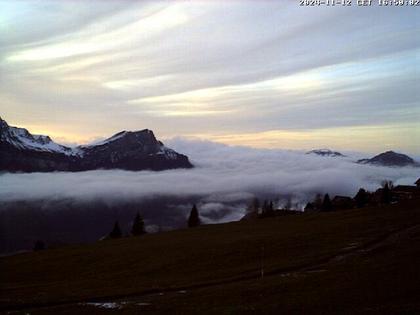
column 404, row 192
column 405, row 188
column 343, row 202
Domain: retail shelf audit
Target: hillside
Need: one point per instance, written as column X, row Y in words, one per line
column 355, row 261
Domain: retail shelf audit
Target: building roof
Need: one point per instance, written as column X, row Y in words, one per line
column 417, row 182
column 404, row 188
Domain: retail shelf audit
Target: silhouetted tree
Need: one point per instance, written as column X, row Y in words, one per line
column 317, row 202
column 267, row 209
column 288, row 204
column 265, row 205
column 116, row 231
column 254, row 206
column 390, row 184
column 309, row 206
column 264, row 209
column 194, row 218
column 326, row 204
column 39, row 245
column 361, row 198
column 386, row 194
column 138, row 225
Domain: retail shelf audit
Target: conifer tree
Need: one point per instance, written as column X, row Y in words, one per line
column 317, row 202
column 264, row 209
column 116, row 231
column 254, row 206
column 288, row 204
column 194, row 218
column 361, row 198
column 386, row 194
column 265, row 206
column 267, row 209
column 138, row 226
column 326, row 204
column 309, row 206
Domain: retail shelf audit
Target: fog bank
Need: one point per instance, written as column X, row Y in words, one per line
column 222, row 173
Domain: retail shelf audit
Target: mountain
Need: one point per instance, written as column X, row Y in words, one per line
column 326, row 152
column 129, row 150
column 390, row 158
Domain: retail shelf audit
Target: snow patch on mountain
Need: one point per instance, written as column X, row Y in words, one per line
column 169, row 153
column 22, row 139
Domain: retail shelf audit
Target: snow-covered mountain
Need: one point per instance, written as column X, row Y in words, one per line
column 326, row 152
column 22, row 139
column 138, row 150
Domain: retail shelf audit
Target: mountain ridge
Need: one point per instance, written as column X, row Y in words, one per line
column 22, row 151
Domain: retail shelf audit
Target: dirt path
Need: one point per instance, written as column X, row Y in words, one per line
column 352, row 250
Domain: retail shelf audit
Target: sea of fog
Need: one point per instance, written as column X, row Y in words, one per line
column 68, row 207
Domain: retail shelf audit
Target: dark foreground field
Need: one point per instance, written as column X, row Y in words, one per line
column 364, row 261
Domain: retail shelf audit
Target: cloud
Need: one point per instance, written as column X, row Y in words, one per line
column 224, row 176
column 207, row 67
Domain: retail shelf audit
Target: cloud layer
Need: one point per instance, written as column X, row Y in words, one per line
column 224, row 175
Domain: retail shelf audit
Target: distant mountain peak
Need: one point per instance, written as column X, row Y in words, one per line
column 390, row 158
column 22, row 139
column 129, row 150
column 326, row 152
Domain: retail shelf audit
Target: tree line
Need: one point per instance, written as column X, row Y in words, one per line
column 138, row 227
column 362, row 199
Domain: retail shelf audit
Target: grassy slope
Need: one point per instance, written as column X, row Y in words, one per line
column 376, row 281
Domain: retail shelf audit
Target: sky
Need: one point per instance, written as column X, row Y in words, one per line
column 265, row 74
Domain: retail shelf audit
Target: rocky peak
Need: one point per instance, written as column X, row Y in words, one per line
column 129, row 150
